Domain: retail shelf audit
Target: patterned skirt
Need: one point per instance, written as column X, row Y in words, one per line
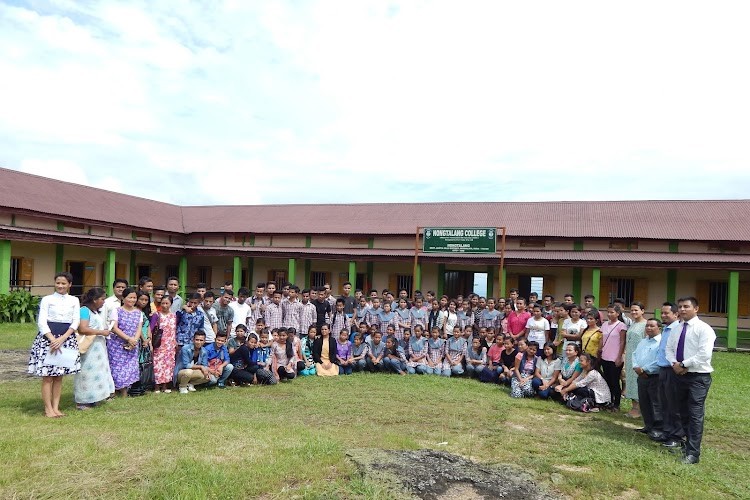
column 40, row 349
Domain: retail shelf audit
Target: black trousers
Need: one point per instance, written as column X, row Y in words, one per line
column 651, row 408
column 691, row 390
column 284, row 374
column 241, row 376
column 611, row 374
column 670, row 413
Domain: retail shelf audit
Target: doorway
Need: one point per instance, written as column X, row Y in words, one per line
column 465, row 282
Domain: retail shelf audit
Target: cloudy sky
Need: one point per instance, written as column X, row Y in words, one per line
column 244, row 102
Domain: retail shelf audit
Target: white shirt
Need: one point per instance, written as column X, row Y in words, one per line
column 241, row 313
column 699, row 345
column 58, row 308
column 110, row 304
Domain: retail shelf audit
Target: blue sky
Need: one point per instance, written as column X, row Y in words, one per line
column 245, row 102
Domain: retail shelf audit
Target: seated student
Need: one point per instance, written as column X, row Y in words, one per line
column 283, row 357
column 489, row 339
column 508, row 360
column 306, row 347
column 435, row 353
column 590, row 384
column 547, row 371
column 192, row 367
column 344, row 353
column 523, row 372
column 494, row 361
column 359, row 353
column 324, row 353
column 455, row 353
column 416, row 352
column 260, row 324
column 362, row 330
column 261, row 358
column 219, row 367
column 476, row 358
column 570, row 369
column 394, row 359
column 241, row 359
column 374, row 359
column 403, row 342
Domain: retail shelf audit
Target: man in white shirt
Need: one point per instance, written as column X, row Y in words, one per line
column 241, row 309
column 689, row 350
column 115, row 301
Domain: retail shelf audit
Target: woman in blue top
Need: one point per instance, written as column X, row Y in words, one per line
column 93, row 384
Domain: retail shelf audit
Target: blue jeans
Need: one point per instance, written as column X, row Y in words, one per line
column 225, row 373
column 393, row 365
column 433, row 371
column 359, row 365
column 474, row 370
column 345, row 370
column 536, row 383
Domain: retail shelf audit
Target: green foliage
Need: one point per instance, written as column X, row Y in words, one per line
column 18, row 307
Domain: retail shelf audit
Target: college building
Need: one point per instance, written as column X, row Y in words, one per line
column 649, row 251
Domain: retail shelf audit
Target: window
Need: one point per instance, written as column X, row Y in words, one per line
column 717, row 297
column 613, row 288
column 144, row 270
column 204, row 275
column 278, row 276
column 21, row 270
column 318, row 278
column 404, row 282
column 172, row 271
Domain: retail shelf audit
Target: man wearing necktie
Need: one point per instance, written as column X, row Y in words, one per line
column 690, row 354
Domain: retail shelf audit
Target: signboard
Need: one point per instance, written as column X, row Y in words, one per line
column 459, row 240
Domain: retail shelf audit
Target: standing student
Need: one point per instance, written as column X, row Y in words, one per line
column 257, row 303
column 210, row 317
column 537, row 328
column 307, row 314
column 122, row 347
column 490, row 317
column 451, row 319
column 591, row 338
column 292, row 310
column 274, row 315
column 323, row 308
column 387, row 319
column 241, row 310
column 517, row 319
column 173, row 285
column 419, row 314
column 165, row 321
column 339, row 319
column 690, row 353
column 115, row 300
column 634, row 335
column 646, row 366
column 403, row 318
column 573, row 326
column 324, row 353
column 224, row 313
column 93, row 384
column 612, row 352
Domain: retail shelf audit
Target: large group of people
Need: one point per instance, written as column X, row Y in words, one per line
column 537, row 347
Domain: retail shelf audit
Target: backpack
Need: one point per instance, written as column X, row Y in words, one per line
column 585, row 405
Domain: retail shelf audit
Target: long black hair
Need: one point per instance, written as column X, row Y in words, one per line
column 91, row 295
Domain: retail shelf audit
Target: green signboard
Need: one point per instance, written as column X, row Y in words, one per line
column 460, row 240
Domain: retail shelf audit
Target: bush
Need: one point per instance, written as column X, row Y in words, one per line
column 19, row 307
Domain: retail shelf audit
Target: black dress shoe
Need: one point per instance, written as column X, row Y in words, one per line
column 657, row 436
column 672, row 444
column 690, row 459
column 641, row 429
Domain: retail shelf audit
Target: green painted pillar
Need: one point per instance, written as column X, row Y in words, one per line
column 250, row 281
column 292, row 272
column 59, row 258
column 183, row 276
column 671, row 285
column 733, row 302
column 109, row 270
column 596, row 279
column 237, row 274
column 577, row 279
column 4, row 266
column 490, row 281
column 503, row 278
column 353, row 274
column 440, row 280
column 133, row 270
column 418, row 277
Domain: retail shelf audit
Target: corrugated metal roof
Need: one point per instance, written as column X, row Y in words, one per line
column 722, row 220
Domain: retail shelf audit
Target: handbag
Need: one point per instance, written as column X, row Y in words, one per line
column 84, row 342
column 146, row 374
column 156, row 337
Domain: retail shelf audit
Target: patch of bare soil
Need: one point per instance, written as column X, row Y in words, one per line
column 436, row 475
column 13, row 365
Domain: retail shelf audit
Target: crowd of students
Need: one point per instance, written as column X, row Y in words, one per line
column 540, row 348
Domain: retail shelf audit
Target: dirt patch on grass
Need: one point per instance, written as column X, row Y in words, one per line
column 436, row 475
column 13, row 365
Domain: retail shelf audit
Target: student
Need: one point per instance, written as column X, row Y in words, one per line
column 146, row 285
column 122, row 347
column 589, row 385
column 324, row 353
column 494, row 360
column 505, row 329
column 339, row 319
column 451, row 319
column 349, row 301
column 537, row 327
column 573, row 326
column 418, row 313
column 517, row 319
column 189, row 320
column 435, row 352
column 374, row 360
column 360, row 312
column 217, row 355
column 193, row 365
column 173, row 285
column 476, row 358
column 635, row 333
column 570, row 369
column 93, row 384
column 591, row 338
column 323, row 308
column 387, row 319
column 508, row 360
column 646, row 366
column 283, row 357
column 394, row 359
column 359, row 353
column 306, row 346
column 475, row 311
column 612, row 351
column 455, row 353
column 159, row 293
column 59, row 317
column 257, row 303
column 115, row 300
column 201, row 289
column 261, row 358
column 490, row 317
column 403, row 318
column 344, row 352
column 308, row 313
column 210, row 318
column 434, row 317
column 547, row 372
column 417, row 350
column 523, row 373
column 243, row 371
column 165, row 321
column 241, row 310
column 292, row 310
column 274, row 315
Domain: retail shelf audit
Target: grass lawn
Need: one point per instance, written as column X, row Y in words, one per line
column 292, row 439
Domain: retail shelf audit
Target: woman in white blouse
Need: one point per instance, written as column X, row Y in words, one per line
column 54, row 352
